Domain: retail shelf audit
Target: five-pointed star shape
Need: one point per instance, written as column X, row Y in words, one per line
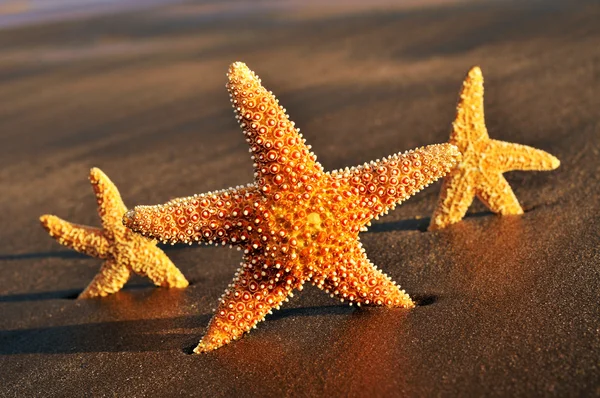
column 483, row 162
column 122, row 250
column 296, row 223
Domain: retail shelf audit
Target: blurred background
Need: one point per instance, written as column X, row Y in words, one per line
column 19, row 12
column 16, row 12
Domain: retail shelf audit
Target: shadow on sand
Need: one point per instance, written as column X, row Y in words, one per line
column 38, row 255
column 69, row 294
column 178, row 333
column 416, row 224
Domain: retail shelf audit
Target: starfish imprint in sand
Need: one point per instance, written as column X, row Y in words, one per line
column 122, row 250
column 484, row 160
column 295, row 223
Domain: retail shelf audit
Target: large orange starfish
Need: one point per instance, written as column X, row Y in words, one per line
column 484, row 160
column 122, row 250
column 296, row 223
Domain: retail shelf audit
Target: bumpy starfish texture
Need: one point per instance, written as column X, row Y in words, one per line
column 122, row 250
column 483, row 162
column 295, row 223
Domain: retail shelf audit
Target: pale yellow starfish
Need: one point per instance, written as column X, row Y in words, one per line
column 483, row 162
column 122, row 250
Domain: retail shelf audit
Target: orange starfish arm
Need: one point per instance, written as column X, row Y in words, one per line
column 379, row 187
column 456, row 196
column 282, row 160
column 519, row 157
column 356, row 280
column 110, row 205
column 221, row 218
column 498, row 196
column 111, row 278
column 154, row 263
column 86, row 240
column 296, row 222
column 255, row 291
column 469, row 124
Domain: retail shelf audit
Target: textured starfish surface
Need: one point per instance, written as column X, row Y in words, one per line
column 295, row 223
column 483, row 162
column 123, row 250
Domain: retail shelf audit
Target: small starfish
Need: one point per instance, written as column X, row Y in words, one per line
column 484, row 160
column 296, row 223
column 122, row 250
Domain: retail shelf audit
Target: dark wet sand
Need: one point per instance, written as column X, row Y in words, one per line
column 509, row 305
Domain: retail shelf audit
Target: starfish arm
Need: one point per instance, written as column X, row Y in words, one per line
column 469, row 124
column 111, row 278
column 152, row 262
column 379, row 186
column 497, row 195
column 357, row 280
column 220, row 217
column 456, row 196
column 255, row 291
column 86, row 240
column 280, row 154
column 110, row 205
column 509, row 156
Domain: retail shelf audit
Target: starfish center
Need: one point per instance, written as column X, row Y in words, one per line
column 313, row 219
column 313, row 226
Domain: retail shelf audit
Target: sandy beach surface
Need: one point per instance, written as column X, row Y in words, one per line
column 508, row 305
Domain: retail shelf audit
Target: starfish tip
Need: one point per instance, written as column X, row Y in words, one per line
column 475, row 72
column 455, row 153
column 181, row 283
column 436, row 224
column 237, row 69
column 129, row 218
column 238, row 64
column 202, row 348
column 96, row 175
column 48, row 221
